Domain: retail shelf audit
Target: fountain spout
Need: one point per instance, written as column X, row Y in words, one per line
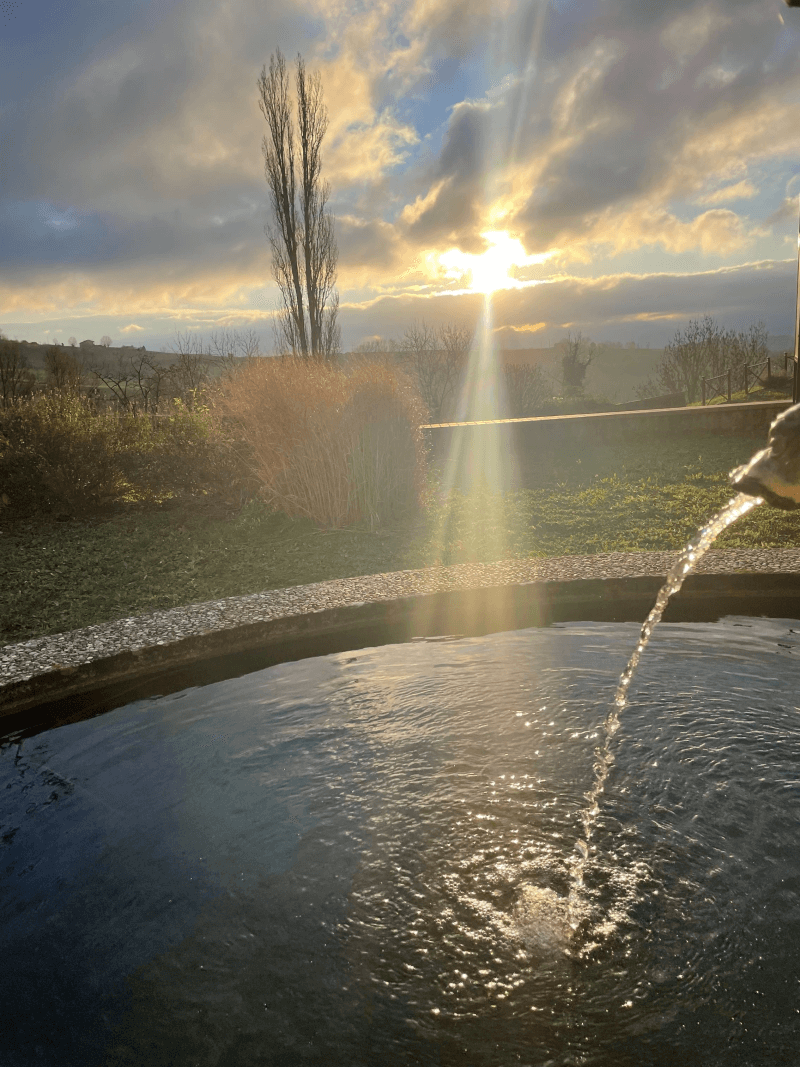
column 774, row 472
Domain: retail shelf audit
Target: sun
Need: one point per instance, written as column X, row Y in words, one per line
column 490, row 270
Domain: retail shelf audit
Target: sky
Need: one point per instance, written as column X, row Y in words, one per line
column 615, row 167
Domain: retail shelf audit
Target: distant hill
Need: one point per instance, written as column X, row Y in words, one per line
column 614, row 372
column 88, row 351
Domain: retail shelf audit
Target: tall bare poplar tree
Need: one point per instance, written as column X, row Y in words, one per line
column 304, row 252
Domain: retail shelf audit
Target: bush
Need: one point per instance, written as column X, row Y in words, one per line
column 181, row 451
column 16, row 379
column 330, row 444
column 705, row 350
column 57, row 452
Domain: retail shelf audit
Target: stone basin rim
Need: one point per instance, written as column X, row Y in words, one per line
column 65, row 677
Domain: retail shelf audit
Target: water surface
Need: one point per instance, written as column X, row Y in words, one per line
column 365, row 858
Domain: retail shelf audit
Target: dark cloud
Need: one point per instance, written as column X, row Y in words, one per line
column 649, row 14
column 459, row 172
column 736, row 295
column 367, row 243
column 650, row 307
column 37, row 233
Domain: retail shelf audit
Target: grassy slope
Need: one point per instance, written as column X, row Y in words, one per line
column 651, row 495
column 759, row 393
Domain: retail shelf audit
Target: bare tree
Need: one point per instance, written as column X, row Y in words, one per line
column 704, row 350
column 137, row 380
column 378, row 346
column 120, row 379
column 190, row 371
column 435, row 360
column 249, row 345
column 73, row 342
column 15, row 378
column 105, row 341
column 229, row 347
column 527, row 388
column 196, row 360
column 304, row 252
column 153, row 380
column 578, row 354
column 64, row 371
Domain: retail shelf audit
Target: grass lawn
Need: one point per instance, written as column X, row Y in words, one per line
column 648, row 495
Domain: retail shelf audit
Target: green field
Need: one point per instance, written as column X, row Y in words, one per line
column 57, row 576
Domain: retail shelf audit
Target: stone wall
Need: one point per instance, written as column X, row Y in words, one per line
column 477, row 448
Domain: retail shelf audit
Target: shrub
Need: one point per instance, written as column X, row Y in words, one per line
column 386, row 463
column 16, row 380
column 55, row 450
column 58, row 452
column 331, row 444
column 178, row 451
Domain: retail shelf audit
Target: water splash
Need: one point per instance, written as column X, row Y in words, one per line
column 604, row 757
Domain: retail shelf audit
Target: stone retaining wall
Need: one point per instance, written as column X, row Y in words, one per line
column 516, row 441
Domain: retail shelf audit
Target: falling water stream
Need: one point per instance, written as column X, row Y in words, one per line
column 686, row 563
column 604, row 757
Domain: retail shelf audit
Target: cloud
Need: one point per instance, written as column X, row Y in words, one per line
column 603, row 307
column 616, row 137
column 715, row 232
column 453, row 27
column 370, row 251
column 450, row 210
column 743, row 190
column 363, row 152
column 737, row 295
column 589, row 145
column 786, row 211
column 137, row 289
column 132, row 172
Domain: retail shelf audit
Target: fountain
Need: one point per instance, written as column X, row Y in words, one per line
column 774, row 473
column 369, row 857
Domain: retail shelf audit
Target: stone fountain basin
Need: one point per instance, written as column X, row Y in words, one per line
column 73, row 676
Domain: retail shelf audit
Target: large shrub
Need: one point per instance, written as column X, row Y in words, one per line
column 330, row 444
